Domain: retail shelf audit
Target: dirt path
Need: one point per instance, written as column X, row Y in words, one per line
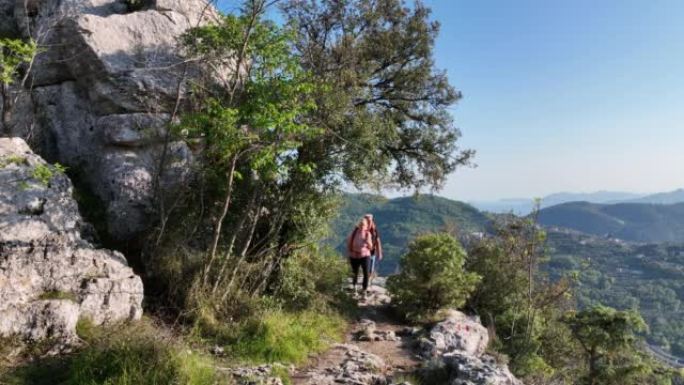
column 394, row 352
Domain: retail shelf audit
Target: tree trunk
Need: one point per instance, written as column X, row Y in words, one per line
column 220, row 219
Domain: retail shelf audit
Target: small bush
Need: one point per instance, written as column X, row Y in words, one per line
column 44, row 173
column 139, row 355
column 432, row 277
column 312, row 279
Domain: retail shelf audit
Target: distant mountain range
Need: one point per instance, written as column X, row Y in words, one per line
column 522, row 206
column 643, row 219
column 676, row 196
column 640, row 222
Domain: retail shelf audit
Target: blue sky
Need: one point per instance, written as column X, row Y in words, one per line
column 565, row 95
column 580, row 95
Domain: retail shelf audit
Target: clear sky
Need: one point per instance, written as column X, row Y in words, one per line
column 580, row 95
column 565, row 95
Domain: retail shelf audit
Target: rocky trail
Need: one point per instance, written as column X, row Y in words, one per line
column 375, row 348
column 379, row 350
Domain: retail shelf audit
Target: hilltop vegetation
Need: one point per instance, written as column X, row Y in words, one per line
column 644, row 277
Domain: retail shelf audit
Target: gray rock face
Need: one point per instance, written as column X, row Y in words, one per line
column 103, row 92
column 17, row 114
column 8, row 28
column 458, row 332
column 469, row 370
column 459, row 343
column 49, row 276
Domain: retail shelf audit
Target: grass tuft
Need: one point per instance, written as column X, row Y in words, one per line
column 286, row 337
column 58, row 295
column 136, row 354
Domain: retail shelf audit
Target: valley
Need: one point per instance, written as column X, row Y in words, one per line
column 628, row 256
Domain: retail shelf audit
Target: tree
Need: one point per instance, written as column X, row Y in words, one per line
column 518, row 303
column 250, row 127
column 609, row 340
column 384, row 106
column 432, row 277
column 276, row 133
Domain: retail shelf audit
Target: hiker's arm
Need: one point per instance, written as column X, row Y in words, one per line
column 378, row 248
column 369, row 241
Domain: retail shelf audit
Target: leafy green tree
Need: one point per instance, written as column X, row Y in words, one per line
column 13, row 54
column 519, row 303
column 384, row 106
column 276, row 133
column 610, row 342
column 432, row 277
column 248, row 127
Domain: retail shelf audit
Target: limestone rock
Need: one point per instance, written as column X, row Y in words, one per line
column 260, row 375
column 102, row 94
column 357, row 368
column 469, row 370
column 49, row 276
column 376, row 296
column 368, row 332
column 458, row 332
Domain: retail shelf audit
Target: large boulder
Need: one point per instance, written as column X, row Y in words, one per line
column 458, row 332
column 103, row 90
column 465, row 369
column 50, row 277
column 458, row 344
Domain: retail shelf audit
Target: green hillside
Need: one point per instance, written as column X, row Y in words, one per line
column 647, row 277
column 624, row 275
column 637, row 222
column 401, row 219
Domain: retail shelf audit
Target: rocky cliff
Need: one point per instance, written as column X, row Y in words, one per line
column 50, row 277
column 99, row 96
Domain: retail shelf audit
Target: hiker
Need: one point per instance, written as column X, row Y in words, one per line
column 359, row 246
column 376, row 249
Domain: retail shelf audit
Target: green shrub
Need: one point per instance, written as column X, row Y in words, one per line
column 44, row 173
column 432, row 277
column 139, row 354
column 312, row 279
column 286, row 337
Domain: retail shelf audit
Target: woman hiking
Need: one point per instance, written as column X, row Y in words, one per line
column 359, row 246
column 376, row 249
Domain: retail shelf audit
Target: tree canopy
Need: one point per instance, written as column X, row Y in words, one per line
column 384, row 107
